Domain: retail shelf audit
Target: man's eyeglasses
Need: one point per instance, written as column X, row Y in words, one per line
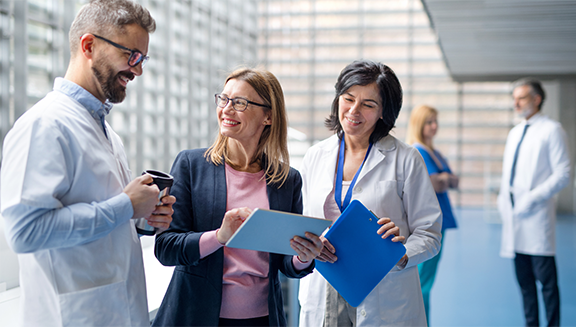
column 238, row 104
column 135, row 56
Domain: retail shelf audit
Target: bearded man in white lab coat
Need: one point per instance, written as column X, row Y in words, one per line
column 536, row 166
column 66, row 193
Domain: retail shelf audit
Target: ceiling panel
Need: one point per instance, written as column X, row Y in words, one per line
column 505, row 39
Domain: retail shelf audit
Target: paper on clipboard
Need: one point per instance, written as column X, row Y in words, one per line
column 271, row 231
column 364, row 258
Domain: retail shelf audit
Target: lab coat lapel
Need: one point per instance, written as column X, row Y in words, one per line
column 377, row 155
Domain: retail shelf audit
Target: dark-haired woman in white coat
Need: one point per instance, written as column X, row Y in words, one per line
column 391, row 180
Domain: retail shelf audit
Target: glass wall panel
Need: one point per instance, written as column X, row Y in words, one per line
column 307, row 43
column 167, row 109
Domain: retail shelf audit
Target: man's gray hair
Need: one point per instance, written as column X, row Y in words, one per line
column 535, row 86
column 107, row 18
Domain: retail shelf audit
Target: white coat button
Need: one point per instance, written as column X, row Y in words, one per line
column 363, row 313
column 358, row 190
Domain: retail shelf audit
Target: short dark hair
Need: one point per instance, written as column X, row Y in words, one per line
column 535, row 86
column 108, row 17
column 365, row 72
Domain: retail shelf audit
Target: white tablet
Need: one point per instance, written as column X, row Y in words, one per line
column 271, row 231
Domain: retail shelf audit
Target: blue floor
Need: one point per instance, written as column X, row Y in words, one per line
column 475, row 287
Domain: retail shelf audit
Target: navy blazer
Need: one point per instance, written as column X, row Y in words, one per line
column 194, row 295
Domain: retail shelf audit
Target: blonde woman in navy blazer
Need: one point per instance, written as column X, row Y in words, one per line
column 252, row 139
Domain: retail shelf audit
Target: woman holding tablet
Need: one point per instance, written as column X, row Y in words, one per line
column 217, row 188
column 363, row 161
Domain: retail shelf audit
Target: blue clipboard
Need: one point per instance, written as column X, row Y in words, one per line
column 364, row 258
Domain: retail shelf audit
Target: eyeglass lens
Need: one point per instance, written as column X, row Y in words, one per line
column 238, row 104
column 135, row 58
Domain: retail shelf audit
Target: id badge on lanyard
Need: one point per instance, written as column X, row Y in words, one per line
column 340, row 174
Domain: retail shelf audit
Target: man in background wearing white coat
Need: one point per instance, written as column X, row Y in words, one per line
column 66, row 193
column 536, row 166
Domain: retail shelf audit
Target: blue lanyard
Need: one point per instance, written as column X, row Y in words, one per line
column 339, row 177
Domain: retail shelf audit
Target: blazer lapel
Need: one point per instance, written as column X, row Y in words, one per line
column 219, row 194
column 273, row 198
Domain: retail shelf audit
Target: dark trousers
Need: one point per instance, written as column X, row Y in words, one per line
column 529, row 269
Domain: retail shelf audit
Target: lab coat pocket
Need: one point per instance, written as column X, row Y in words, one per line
column 99, row 306
column 400, row 298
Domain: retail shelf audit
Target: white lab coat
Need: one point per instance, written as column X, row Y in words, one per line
column 99, row 283
column 542, row 170
column 393, row 183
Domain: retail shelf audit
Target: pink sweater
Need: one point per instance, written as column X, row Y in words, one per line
column 245, row 279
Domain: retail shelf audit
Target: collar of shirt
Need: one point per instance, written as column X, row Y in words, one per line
column 95, row 107
column 533, row 119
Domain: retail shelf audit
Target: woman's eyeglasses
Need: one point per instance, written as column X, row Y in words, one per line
column 135, row 56
column 238, row 104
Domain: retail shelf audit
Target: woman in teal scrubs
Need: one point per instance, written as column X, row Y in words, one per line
column 422, row 128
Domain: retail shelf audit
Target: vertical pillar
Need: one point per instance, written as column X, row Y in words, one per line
column 69, row 11
column 459, row 135
column 169, row 75
column 312, row 74
column 20, row 58
column 560, row 105
column 567, row 117
column 5, row 99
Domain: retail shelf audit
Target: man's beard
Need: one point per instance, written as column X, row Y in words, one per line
column 108, row 80
column 527, row 111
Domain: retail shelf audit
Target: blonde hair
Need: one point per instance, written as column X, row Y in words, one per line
column 273, row 143
column 416, row 124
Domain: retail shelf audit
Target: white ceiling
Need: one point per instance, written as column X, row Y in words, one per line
column 501, row 40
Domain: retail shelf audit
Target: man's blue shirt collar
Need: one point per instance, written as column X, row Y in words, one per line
column 94, row 106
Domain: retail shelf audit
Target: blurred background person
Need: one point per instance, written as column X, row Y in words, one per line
column 422, row 129
column 536, row 166
column 247, row 167
column 389, row 178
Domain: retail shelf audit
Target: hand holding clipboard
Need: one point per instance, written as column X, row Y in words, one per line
column 388, row 229
column 363, row 256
